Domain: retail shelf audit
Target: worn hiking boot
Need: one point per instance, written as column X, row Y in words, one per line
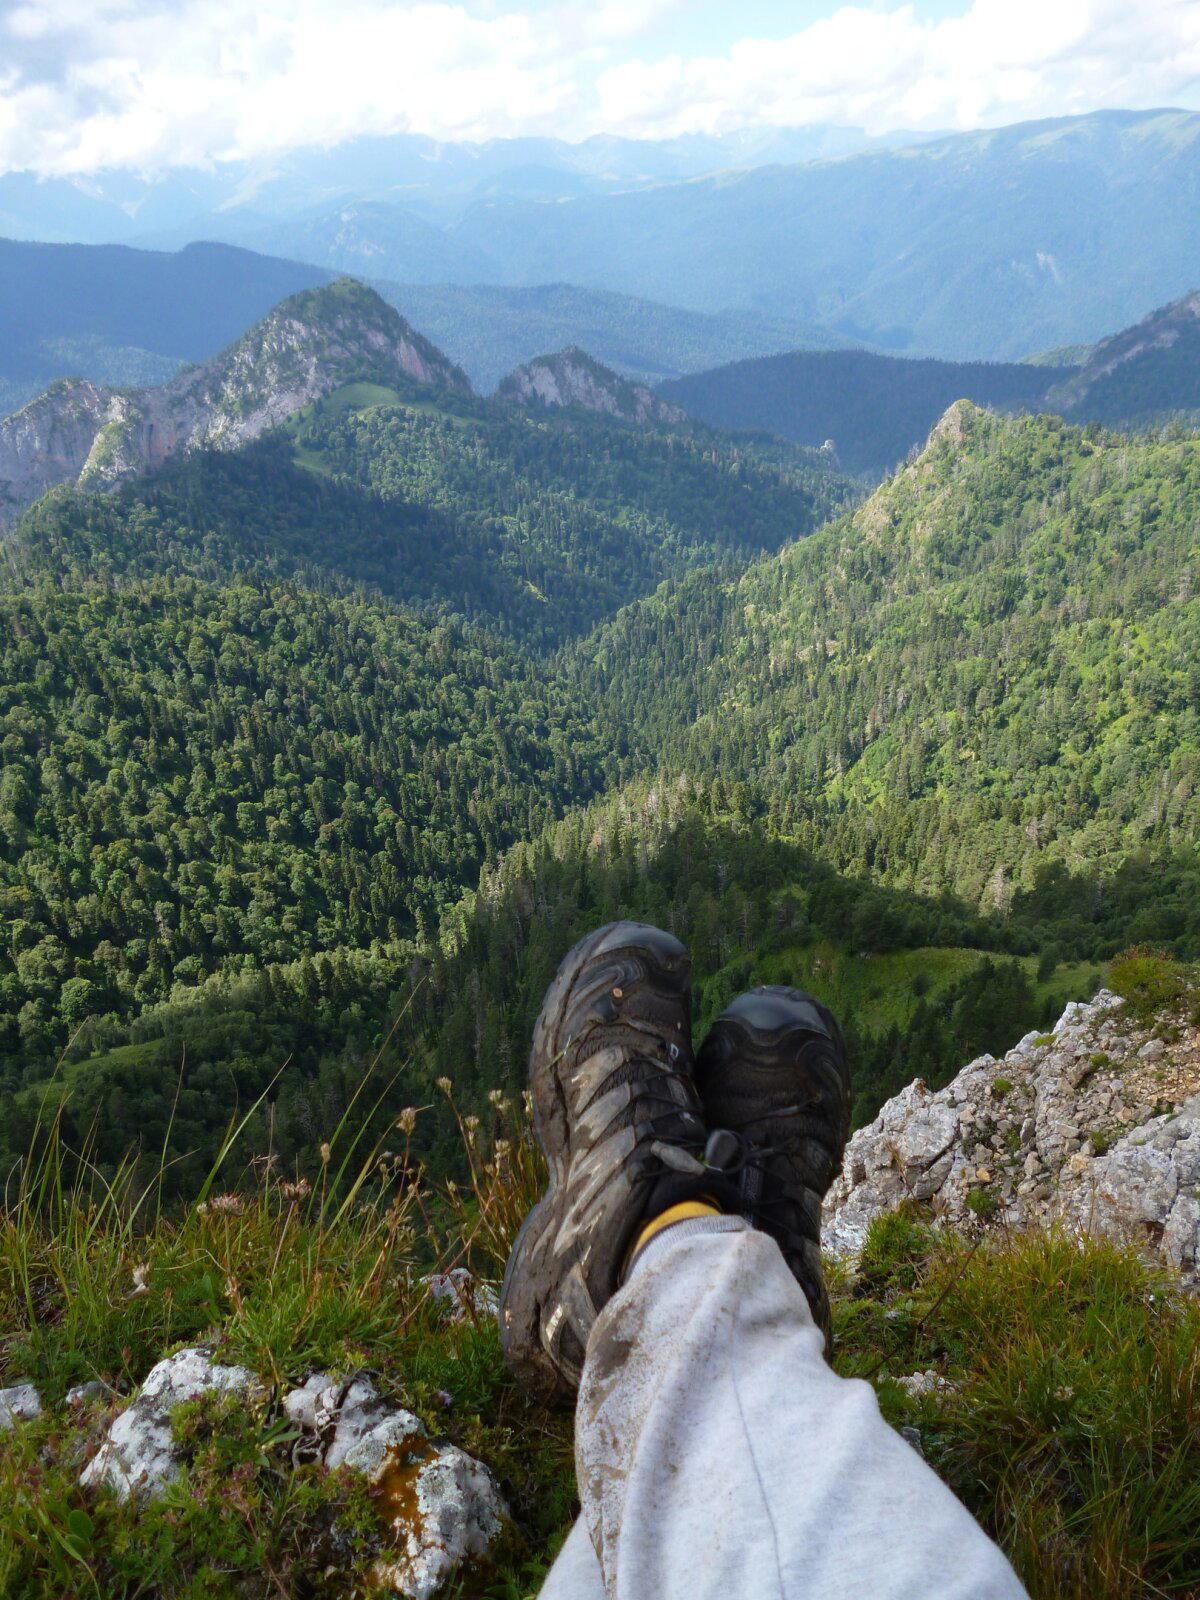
column 620, row 1125
column 773, row 1071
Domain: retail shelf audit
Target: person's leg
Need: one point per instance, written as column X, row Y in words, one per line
column 576, row 1574
column 718, row 1455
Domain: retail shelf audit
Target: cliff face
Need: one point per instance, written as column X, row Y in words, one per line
column 1095, row 1127
column 310, row 345
column 48, row 442
column 572, row 378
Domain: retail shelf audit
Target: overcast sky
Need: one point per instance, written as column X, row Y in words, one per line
column 86, row 84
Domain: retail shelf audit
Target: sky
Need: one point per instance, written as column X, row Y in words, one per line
column 87, row 85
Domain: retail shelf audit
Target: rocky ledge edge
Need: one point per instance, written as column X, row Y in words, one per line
column 1094, row 1127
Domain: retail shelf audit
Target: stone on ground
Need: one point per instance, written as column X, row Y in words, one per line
column 20, row 1403
column 140, row 1457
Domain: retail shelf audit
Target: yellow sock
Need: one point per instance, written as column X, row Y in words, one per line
column 685, row 1210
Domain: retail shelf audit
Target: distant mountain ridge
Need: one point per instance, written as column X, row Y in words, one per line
column 1143, row 373
column 875, row 408
column 572, row 378
column 310, row 345
column 120, row 316
column 491, row 328
column 980, row 245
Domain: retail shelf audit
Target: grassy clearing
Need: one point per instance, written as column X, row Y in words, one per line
column 1072, row 1429
column 882, row 991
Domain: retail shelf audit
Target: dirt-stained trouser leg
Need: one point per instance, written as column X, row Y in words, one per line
column 719, row 1457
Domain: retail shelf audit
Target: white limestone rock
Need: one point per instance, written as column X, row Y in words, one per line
column 462, row 1295
column 444, row 1508
column 86, row 1394
column 139, row 1457
column 20, row 1403
column 1061, row 1130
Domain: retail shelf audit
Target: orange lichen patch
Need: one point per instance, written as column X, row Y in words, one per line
column 394, row 1485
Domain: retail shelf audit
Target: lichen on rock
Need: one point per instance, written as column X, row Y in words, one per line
column 140, row 1455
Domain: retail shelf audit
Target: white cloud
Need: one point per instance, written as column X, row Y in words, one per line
column 1000, row 61
column 86, row 84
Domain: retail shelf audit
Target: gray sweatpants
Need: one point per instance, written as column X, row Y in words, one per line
column 719, row 1457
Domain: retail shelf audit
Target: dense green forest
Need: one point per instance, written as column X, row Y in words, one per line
column 266, row 718
column 875, row 408
column 992, row 663
column 198, row 775
column 538, row 527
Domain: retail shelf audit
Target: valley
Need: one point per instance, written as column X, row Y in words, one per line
column 420, row 548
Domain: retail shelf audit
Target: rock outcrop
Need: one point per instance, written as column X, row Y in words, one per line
column 441, row 1507
column 310, row 345
column 573, row 378
column 139, row 1458
column 1095, row 1126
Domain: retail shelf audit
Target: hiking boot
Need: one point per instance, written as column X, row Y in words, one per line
column 620, row 1124
column 773, row 1071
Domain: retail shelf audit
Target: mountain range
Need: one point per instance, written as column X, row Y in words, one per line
column 875, row 409
column 310, row 345
column 975, row 246
column 298, row 687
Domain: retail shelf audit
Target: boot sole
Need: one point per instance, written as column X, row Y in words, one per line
column 525, row 1289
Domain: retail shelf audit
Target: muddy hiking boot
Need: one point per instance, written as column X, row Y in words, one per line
column 773, row 1071
column 620, row 1124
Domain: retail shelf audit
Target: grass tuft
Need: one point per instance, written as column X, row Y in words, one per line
column 1069, row 1424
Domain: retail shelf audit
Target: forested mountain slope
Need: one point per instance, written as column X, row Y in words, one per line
column 874, row 408
column 538, row 525
column 489, row 329
column 200, row 777
column 1142, row 374
column 244, row 789
column 992, row 662
column 309, row 345
column 982, row 245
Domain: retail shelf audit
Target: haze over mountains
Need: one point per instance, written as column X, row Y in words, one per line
column 972, row 246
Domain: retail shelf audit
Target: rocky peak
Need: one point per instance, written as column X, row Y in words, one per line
column 1095, row 1127
column 573, row 378
column 308, row 346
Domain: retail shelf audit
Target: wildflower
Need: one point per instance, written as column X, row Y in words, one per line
column 228, row 1205
column 293, row 1193
column 407, row 1120
column 326, row 1153
column 444, row 1397
column 444, row 1085
column 496, row 1098
column 141, row 1276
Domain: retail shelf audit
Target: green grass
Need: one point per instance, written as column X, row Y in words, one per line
column 1071, row 1427
column 882, row 991
column 1072, row 1424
